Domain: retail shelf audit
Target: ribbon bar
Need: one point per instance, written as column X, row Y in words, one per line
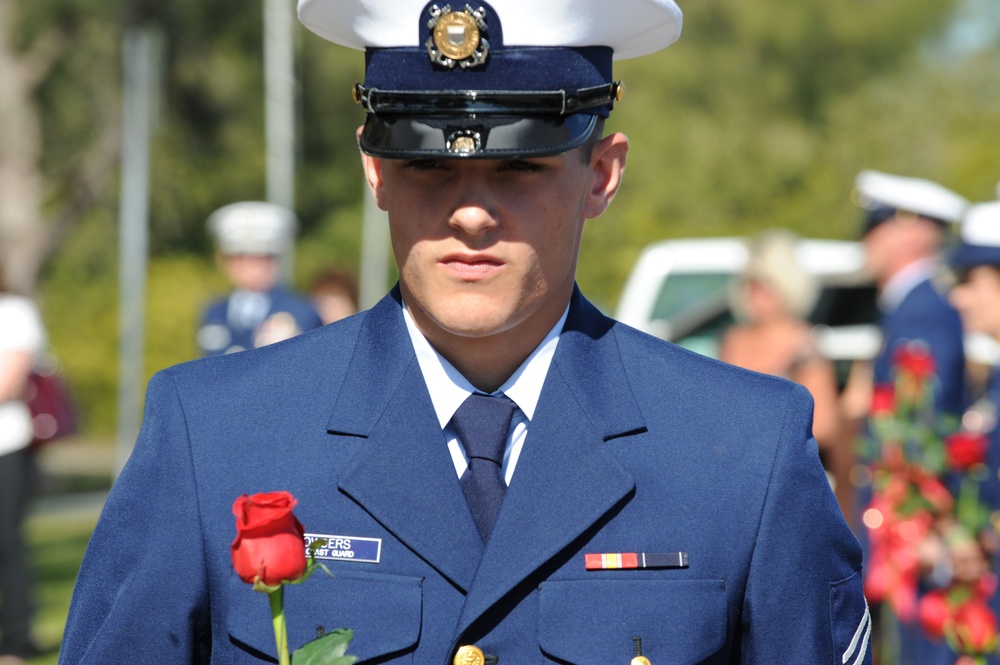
column 635, row 560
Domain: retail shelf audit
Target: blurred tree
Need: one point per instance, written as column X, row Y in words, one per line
column 44, row 196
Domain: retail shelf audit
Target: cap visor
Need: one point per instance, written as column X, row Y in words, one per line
column 484, row 137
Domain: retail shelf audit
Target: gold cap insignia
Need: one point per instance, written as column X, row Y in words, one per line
column 464, row 142
column 457, row 37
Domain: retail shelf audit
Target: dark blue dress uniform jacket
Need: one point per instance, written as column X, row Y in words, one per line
column 636, row 446
column 924, row 314
column 240, row 338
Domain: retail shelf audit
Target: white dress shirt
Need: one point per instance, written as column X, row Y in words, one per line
column 449, row 389
column 904, row 281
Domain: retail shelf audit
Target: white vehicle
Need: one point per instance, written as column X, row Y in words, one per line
column 678, row 291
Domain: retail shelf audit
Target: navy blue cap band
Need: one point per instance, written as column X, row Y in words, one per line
column 876, row 214
column 513, row 68
column 969, row 256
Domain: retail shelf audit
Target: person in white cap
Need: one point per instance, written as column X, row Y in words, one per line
column 904, row 232
column 504, row 474
column 905, row 225
column 252, row 239
column 976, row 295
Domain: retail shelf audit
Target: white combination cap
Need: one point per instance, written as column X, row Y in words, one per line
column 913, row 195
column 253, row 227
column 980, row 237
column 499, row 79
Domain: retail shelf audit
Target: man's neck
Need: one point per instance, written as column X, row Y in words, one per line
column 487, row 361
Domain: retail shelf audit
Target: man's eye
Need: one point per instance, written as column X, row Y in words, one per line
column 423, row 164
column 522, row 166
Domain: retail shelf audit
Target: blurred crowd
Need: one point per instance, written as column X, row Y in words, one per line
column 909, row 443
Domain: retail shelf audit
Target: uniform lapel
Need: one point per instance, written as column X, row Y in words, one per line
column 565, row 481
column 403, row 475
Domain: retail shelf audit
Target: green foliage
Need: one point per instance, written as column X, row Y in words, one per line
column 56, row 543
column 328, row 649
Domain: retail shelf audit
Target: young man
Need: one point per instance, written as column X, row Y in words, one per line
column 903, row 234
column 482, row 143
column 253, row 239
column 976, row 296
column 905, row 225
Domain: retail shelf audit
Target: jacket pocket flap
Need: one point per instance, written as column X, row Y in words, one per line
column 384, row 611
column 594, row 622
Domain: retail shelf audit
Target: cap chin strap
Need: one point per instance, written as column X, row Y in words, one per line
column 500, row 102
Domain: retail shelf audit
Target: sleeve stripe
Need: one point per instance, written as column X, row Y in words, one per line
column 863, row 633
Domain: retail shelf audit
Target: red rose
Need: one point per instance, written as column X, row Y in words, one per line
column 934, row 491
column 976, row 628
column 269, row 545
column 965, row 450
column 934, row 614
column 915, row 359
column 883, row 400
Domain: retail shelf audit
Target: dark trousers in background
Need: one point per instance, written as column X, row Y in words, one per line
column 17, row 479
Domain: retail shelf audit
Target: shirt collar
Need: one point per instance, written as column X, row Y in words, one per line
column 904, row 281
column 448, row 388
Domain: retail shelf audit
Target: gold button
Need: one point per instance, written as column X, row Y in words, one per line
column 640, row 660
column 469, row 655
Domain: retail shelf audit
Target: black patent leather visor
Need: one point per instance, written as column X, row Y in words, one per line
column 474, row 137
column 482, row 124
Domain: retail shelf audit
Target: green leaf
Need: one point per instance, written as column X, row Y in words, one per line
column 330, row 649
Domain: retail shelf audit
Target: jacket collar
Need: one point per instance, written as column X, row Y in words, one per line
column 405, row 479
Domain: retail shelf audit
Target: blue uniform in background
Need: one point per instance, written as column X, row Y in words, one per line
column 636, row 445
column 924, row 314
column 245, row 320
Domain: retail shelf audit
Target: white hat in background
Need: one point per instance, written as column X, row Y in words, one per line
column 884, row 196
column 979, row 237
column 253, row 227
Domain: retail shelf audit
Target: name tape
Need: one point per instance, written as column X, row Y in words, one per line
column 345, row 548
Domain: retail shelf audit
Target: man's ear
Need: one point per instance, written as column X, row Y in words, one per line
column 372, row 167
column 607, row 166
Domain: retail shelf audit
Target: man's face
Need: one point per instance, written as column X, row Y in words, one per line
column 878, row 244
column 252, row 272
column 898, row 242
column 977, row 299
column 488, row 247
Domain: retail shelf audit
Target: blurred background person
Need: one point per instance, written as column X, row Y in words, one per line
column 771, row 299
column 976, row 295
column 253, row 238
column 904, row 232
column 334, row 294
column 22, row 337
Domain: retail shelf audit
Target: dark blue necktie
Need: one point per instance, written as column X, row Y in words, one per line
column 482, row 424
